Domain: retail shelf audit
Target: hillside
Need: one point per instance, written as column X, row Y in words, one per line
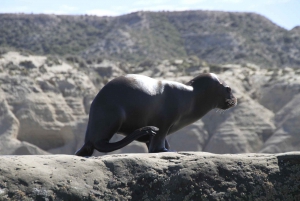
column 217, row 37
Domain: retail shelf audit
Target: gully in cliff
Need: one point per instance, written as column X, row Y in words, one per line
column 147, row 110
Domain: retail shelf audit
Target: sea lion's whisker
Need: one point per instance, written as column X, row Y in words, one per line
column 232, row 102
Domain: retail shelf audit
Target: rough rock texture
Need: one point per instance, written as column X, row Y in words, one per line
column 44, row 105
column 9, row 129
column 163, row 176
column 41, row 104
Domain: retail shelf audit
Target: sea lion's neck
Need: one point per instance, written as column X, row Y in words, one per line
column 195, row 108
column 202, row 104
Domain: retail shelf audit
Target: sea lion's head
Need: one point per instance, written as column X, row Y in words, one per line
column 226, row 99
column 217, row 92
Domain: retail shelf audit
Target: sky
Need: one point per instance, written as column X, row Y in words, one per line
column 285, row 13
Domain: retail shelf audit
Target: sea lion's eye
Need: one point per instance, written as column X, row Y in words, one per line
column 228, row 89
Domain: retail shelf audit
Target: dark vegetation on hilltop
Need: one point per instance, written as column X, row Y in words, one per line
column 217, row 37
column 50, row 34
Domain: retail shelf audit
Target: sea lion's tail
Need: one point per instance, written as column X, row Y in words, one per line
column 105, row 146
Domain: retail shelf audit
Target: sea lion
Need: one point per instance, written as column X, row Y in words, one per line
column 147, row 110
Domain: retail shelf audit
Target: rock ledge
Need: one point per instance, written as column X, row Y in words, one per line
column 162, row 176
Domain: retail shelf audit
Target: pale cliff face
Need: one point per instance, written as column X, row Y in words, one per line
column 45, row 102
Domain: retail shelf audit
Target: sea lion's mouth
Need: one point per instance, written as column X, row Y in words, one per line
column 231, row 102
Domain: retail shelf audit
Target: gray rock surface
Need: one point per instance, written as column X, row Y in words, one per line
column 163, row 176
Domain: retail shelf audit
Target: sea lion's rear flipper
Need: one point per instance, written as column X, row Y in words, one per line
column 106, row 146
column 86, row 150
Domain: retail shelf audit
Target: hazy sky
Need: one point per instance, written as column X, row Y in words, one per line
column 285, row 13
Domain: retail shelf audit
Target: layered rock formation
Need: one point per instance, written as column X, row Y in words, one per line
column 163, row 176
column 43, row 100
column 45, row 103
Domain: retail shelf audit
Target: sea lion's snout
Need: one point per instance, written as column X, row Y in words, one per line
column 231, row 102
